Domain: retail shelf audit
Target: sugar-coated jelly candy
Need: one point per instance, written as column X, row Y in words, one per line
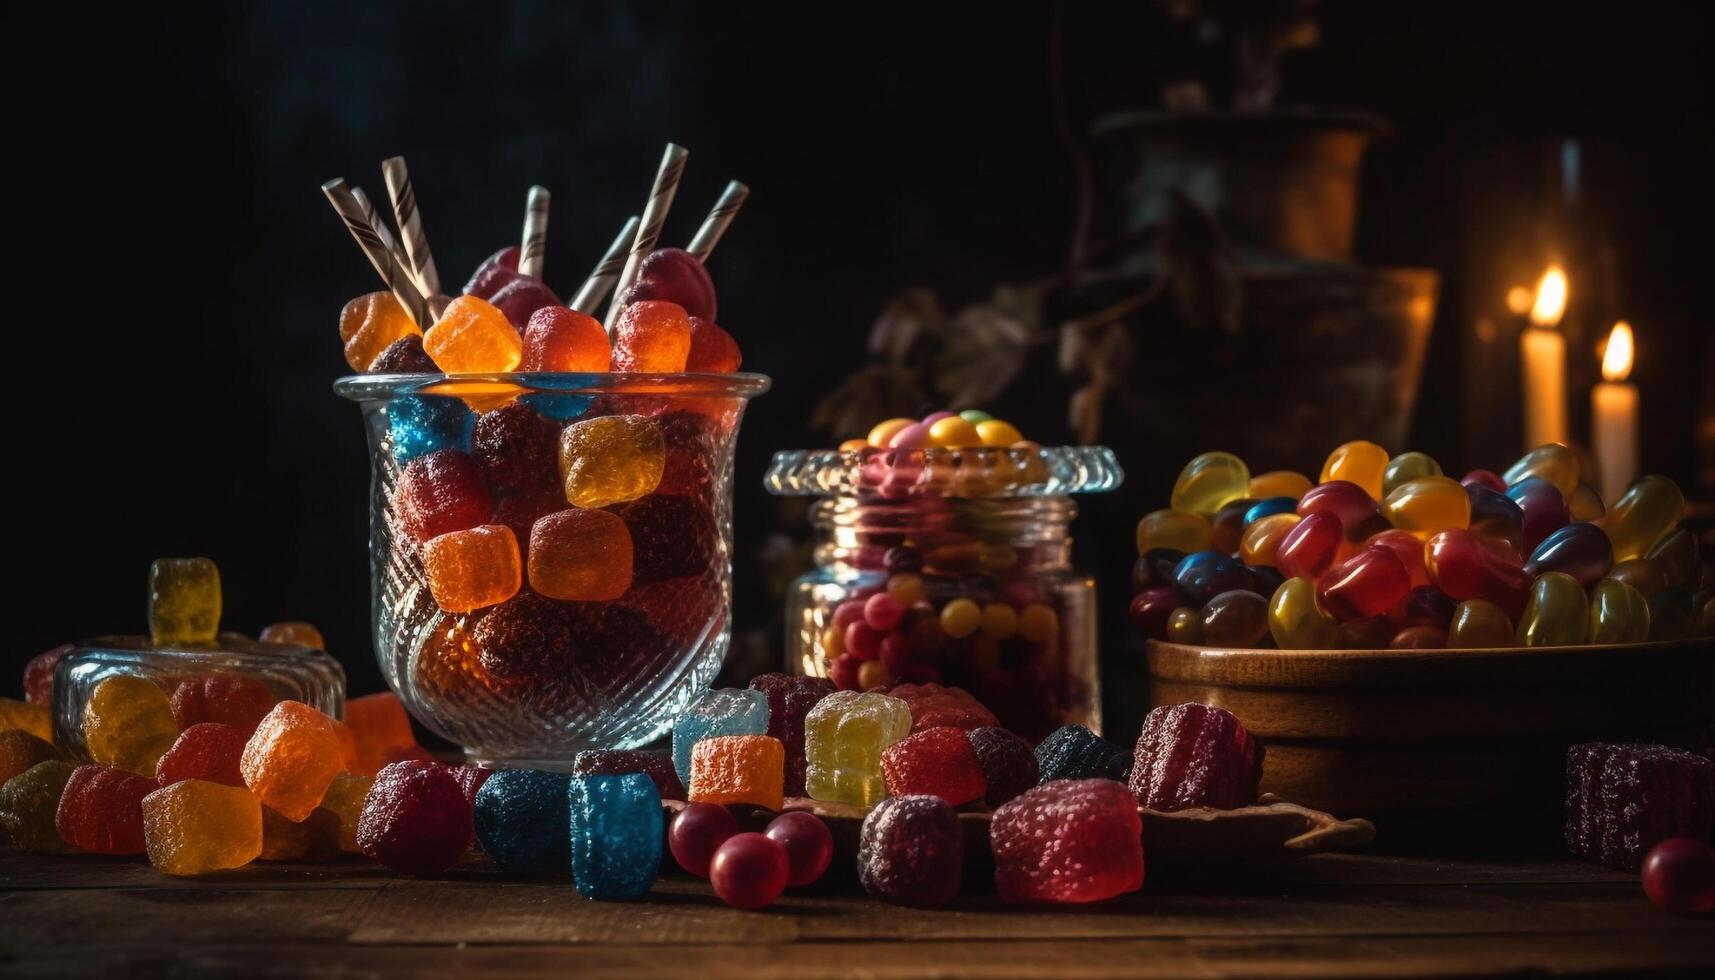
column 184, row 601
column 1007, row 760
column 789, row 702
column 1260, row 544
column 675, row 276
column 1358, row 513
column 1278, row 483
column 381, row 729
column 1172, row 529
column 421, row 424
column 1269, row 507
column 1228, row 527
column 195, row 826
column 713, row 350
column 440, row 492
column 1359, row 462
column 101, row 810
column 516, row 448
column 581, row 555
column 468, row 570
column 1405, row 467
column 239, row 700
column 935, row 706
column 314, row 840
column 521, row 298
column 209, row 751
column 934, row 762
column 616, row 834
column 651, row 337
column 1466, row 565
column 1078, row 840
column 19, row 750
column 1478, row 624
column 1618, row 613
column 723, row 711
column 911, row 851
column 1580, row 550
column 1544, row 509
column 1680, row 560
column 1075, row 752
column 1557, row 615
column 1201, row 576
column 1495, row 514
column 1551, row 462
column 293, row 757
column 28, row 802
column 1296, row 618
column 370, row 324
column 732, row 769
column 561, row 339
column 1308, row 548
column 1185, row 625
column 403, row 356
column 1150, row 609
column 416, row 818
column 473, row 337
column 1428, row 504
column 1643, row 515
column 844, row 736
column 495, row 271
column 39, row 674
column 1206, row 484
column 671, row 536
column 1366, row 584
column 1585, row 504
column 523, row 821
column 128, row 723
column 616, row 762
column 24, row 716
column 1235, row 619
column 293, row 633
column 1191, row 755
column 1408, row 545
column 611, row 459
column 1622, row 799
column 1640, row 573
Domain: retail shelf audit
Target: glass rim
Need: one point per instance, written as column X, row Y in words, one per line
column 382, row 387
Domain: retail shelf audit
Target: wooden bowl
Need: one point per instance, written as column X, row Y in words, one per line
column 1445, row 750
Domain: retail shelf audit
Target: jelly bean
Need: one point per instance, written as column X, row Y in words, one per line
column 1235, row 619
column 1493, row 513
column 1640, row 573
column 960, row 618
column 1552, row 462
column 953, row 432
column 1479, row 624
column 1580, row 550
column 1406, row 467
column 1265, row 579
column 1618, row 613
column 1409, row 547
column 1209, row 482
column 1428, row 504
column 1677, row 555
column 882, row 435
column 1278, row 483
column 1202, row 576
column 994, row 432
column 1368, row 633
column 913, row 436
column 1149, row 610
column 1269, row 508
column 1356, row 510
column 1261, row 541
column 1309, row 547
column 1544, row 508
column 1422, row 637
column 1466, row 565
column 1297, row 620
column 1173, row 529
column 1228, row 528
column 1585, row 504
column 1000, row 621
column 1185, row 625
column 1485, row 479
column 853, row 446
column 1670, row 615
column 1425, row 605
column 1154, row 568
column 976, row 415
column 1357, row 462
column 1643, row 515
column 934, row 417
column 1367, row 584
column 1558, row 614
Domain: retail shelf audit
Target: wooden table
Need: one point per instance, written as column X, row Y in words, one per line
column 1329, row 915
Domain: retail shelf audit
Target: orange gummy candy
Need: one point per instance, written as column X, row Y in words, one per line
column 469, row 570
column 370, row 323
column 561, row 339
column 611, row 459
column 294, row 633
column 382, row 729
column 128, row 724
column 731, row 769
column 472, row 336
column 580, row 554
column 652, row 336
column 292, row 759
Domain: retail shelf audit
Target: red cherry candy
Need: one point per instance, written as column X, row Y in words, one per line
column 808, row 843
column 749, row 871
column 1679, row 876
column 697, row 833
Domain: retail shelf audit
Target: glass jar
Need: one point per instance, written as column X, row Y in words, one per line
column 972, row 547
column 556, row 645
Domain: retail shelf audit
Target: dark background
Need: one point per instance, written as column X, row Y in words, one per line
column 172, row 335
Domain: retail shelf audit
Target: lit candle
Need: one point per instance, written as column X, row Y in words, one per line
column 1614, row 416
column 1542, row 355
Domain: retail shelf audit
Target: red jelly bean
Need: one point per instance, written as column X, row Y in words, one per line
column 809, row 845
column 1150, row 608
column 750, row 871
column 1544, row 506
column 697, row 833
column 1350, row 503
column 1679, row 876
column 1409, row 548
column 1484, row 478
column 1367, row 584
column 1466, row 565
column 1309, row 548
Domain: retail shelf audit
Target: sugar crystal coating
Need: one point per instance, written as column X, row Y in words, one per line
column 1075, row 752
column 651, row 337
column 291, row 760
column 472, row 336
column 227, row 698
column 1191, row 755
column 713, row 350
column 616, row 835
column 789, row 702
column 1621, row 800
column 371, row 324
column 1008, row 763
column 416, row 818
column 403, row 356
column 731, row 769
column 421, row 424
column 128, row 723
column 934, row 762
column 101, row 810
column 28, row 803
column 1068, row 840
column 911, row 851
column 39, row 674
column 844, row 735
column 195, row 826
column 516, row 447
column 934, row 706
column 184, row 601
column 618, row 762
column 560, row 339
column 209, row 751
column 344, row 799
column 724, row 711
column 670, row 536
column 523, row 821
column 19, row 750
column 472, row 569
column 18, row 715
column 440, row 492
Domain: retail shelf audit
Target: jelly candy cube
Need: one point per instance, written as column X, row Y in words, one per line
column 732, row 769
column 844, row 736
column 39, row 674
column 934, row 706
column 1621, row 800
column 1557, row 615
column 713, row 351
column 1075, row 752
column 101, row 810
column 516, row 448
column 403, row 356
column 911, row 851
column 495, row 271
column 934, row 762
column 1069, row 840
column 292, row 759
column 616, row 762
column 1008, row 763
column 789, row 702
column 521, row 298
column 468, row 570
column 184, row 601
column 616, row 835
column 421, row 424
column 725, row 711
column 1191, row 755
column 370, row 324
column 293, row 633
column 23, row 716
column 523, row 821
column 472, row 337
column 675, row 276
column 381, row 729
column 672, row 536
column 344, row 799
column 580, row 555
column 128, row 723
column 195, row 826
column 230, row 699
column 28, row 802
column 441, row 492
column 208, row 751
column 416, row 818
column 1359, row 462
column 19, row 750
column 611, row 459
column 651, row 337
column 560, row 339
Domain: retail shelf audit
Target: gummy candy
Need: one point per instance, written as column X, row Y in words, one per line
column 911, row 851
column 561, row 339
column 294, row 634
column 615, row 762
column 726, row 711
column 1407, row 546
column 523, row 820
column 416, row 818
column 1308, row 548
column 808, row 843
column 1269, row 507
column 1551, row 462
column 1484, row 478
column 1260, row 544
column 1206, row 574
column 1419, row 637
column 611, row 460
column 403, row 356
column 1679, row 876
column 1236, row 619
column 1428, row 504
column 1585, row 505
column 934, row 706
column 19, row 751
column 1358, row 462
column 101, row 810
column 516, row 448
column 1424, row 606
column 1621, row 800
column 313, row 840
column 1544, row 509
column 691, row 440
column 473, row 337
column 934, row 762
column 381, row 729
column 1175, row 530
column 731, row 769
column 495, row 271
column 1477, row 624
column 521, row 298
column 697, row 832
column 1496, row 515
column 1670, row 615
column 651, row 337
column 749, row 871
column 1618, row 613
column 184, row 601
column 344, row 799
column 1185, row 625
column 1297, row 620
column 1227, row 529
column 616, row 832
column 713, row 351
column 789, row 702
column 230, row 699
column 128, row 723
column 581, row 554
column 1191, row 755
column 422, row 424
column 1643, row 515
column 195, row 826
column 1075, row 840
column 1580, row 550
column 39, row 674
column 1465, row 565
column 23, row 716
column 209, row 751
column 1366, row 584
column 293, row 757
column 441, row 492
column 1406, row 467
column 844, row 736
column 370, row 324
column 1075, row 752
column 675, row 276
column 28, row 802
column 1206, row 484
column 1278, row 483
column 1008, row 763
column 1558, row 613
column 468, row 570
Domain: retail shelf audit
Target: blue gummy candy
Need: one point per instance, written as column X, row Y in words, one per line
column 616, row 829
column 726, row 711
column 1203, row 575
column 1269, row 508
column 1075, row 752
column 523, row 823
column 560, row 408
column 422, row 424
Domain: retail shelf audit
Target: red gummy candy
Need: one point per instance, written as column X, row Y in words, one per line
column 934, row 706
column 1357, row 511
column 934, row 762
column 525, row 638
column 441, row 492
column 789, row 700
column 416, row 818
column 651, row 337
column 1191, row 755
column 1150, row 609
column 1622, row 800
column 1070, row 840
column 101, row 810
column 1309, row 548
column 671, row 537
column 691, row 439
column 1367, row 584
column 495, row 271
column 404, row 356
column 39, row 674
column 517, row 449
column 208, row 750
column 911, row 851
column 1008, row 763
column 712, row 349
column 617, row 762
column 674, row 275
column 1679, row 876
column 561, row 339
column 230, row 699
column 521, row 298
column 1465, row 565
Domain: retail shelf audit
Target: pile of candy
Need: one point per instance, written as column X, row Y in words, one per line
column 1388, row 552
column 964, row 454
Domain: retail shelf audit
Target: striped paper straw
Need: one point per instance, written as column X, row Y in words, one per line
column 386, row 264
column 715, row 225
column 374, row 218
column 410, row 220
column 606, row 271
column 654, row 216
column 534, row 249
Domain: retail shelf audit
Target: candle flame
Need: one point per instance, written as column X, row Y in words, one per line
column 1617, row 359
column 1550, row 303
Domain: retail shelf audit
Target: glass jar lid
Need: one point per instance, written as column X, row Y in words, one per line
column 1053, row 471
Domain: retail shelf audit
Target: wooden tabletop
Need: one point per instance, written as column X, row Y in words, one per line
column 1329, row 915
